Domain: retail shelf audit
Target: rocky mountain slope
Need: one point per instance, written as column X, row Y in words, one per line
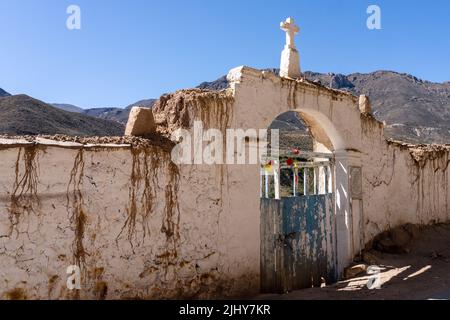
column 112, row 113
column 3, row 93
column 68, row 107
column 414, row 110
column 23, row 115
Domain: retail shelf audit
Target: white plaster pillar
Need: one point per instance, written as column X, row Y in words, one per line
column 364, row 104
column 348, row 209
column 343, row 211
column 356, row 201
column 290, row 63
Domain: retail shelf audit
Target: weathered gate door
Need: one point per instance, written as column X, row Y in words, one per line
column 298, row 245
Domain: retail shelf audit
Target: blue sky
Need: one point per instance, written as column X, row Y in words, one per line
column 135, row 49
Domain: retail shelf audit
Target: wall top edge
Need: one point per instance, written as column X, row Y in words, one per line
column 242, row 73
column 21, row 142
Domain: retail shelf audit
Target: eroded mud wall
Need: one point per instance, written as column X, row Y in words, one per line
column 401, row 183
column 136, row 224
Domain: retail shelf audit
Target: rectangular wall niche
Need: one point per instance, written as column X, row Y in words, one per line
column 356, row 183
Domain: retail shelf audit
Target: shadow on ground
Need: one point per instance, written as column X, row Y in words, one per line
column 422, row 272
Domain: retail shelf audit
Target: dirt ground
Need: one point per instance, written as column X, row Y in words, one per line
column 422, row 273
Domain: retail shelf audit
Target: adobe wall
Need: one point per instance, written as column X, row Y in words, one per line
column 142, row 227
column 402, row 183
column 139, row 226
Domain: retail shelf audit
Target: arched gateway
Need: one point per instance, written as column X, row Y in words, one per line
column 306, row 237
column 313, row 234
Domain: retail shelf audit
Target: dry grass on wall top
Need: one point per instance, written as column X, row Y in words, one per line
column 180, row 109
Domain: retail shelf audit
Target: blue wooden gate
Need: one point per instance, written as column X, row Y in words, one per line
column 298, row 243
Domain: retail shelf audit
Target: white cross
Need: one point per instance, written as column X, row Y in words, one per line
column 291, row 30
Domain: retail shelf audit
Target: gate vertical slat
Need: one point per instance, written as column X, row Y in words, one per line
column 271, row 253
column 297, row 247
column 312, row 216
column 331, row 240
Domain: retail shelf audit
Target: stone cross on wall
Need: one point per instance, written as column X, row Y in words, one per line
column 290, row 58
column 291, row 30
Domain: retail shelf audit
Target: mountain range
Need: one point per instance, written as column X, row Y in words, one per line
column 3, row 93
column 24, row 115
column 109, row 113
column 414, row 110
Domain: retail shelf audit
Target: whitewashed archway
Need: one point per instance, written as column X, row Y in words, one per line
column 334, row 119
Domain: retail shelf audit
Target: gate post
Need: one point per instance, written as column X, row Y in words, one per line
column 342, row 211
